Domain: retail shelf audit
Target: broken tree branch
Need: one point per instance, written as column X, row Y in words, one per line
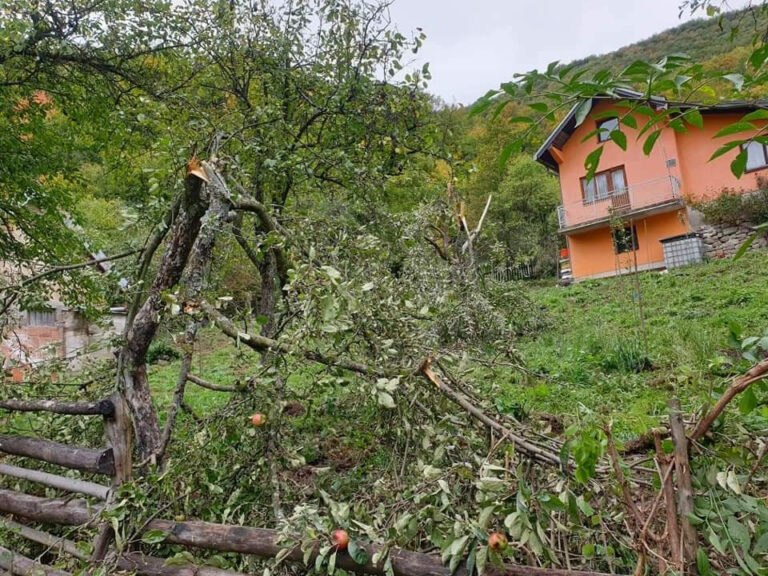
column 684, row 489
column 757, row 372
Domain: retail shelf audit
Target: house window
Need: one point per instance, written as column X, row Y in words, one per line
column 605, row 184
column 625, row 240
column 757, row 155
column 605, row 127
column 41, row 318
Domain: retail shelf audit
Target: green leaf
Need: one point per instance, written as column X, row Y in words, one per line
column 761, row 114
column 629, row 120
column 500, row 108
column 386, row 400
column 748, row 401
column 485, row 516
column 357, row 552
column 153, row 536
column 735, row 128
column 592, row 161
column 481, row 559
column 620, row 138
column 480, row 106
column 332, row 564
column 738, row 533
column 650, row 142
column 471, row 561
column 761, row 546
column 702, row 563
column 582, row 109
column 759, row 56
column 506, row 153
column 695, row 118
column 725, row 148
column 588, row 551
column 749, row 241
column 739, row 164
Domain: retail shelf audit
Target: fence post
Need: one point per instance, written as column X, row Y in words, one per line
column 119, row 433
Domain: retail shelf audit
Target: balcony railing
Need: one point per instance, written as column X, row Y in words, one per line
column 620, row 202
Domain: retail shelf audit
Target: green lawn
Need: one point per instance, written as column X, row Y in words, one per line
column 592, row 358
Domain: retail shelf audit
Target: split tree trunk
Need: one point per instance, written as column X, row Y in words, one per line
column 132, row 361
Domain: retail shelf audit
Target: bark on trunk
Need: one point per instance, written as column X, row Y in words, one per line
column 193, row 287
column 133, row 371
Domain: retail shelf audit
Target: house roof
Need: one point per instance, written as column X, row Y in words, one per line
column 568, row 125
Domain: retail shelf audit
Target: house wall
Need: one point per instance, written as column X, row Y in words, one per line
column 72, row 337
column 592, row 251
column 638, row 167
column 704, row 179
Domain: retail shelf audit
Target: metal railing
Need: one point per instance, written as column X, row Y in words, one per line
column 620, row 202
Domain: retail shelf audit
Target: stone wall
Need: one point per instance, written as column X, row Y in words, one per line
column 723, row 240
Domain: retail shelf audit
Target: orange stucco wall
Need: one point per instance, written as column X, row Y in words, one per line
column 704, row 179
column 638, row 167
column 592, row 252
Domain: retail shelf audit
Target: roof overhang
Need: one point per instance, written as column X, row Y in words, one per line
column 565, row 129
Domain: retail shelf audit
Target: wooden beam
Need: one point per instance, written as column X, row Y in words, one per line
column 151, row 566
column 76, row 457
column 47, row 540
column 55, row 481
column 265, row 543
column 23, row 566
column 100, row 408
column 66, row 511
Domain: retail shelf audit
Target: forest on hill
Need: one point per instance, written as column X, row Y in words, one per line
column 317, row 369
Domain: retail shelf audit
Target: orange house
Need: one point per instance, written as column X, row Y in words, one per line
column 615, row 222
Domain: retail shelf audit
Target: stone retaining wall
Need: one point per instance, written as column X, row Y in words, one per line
column 723, row 240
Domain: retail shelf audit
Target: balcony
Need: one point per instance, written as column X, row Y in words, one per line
column 645, row 198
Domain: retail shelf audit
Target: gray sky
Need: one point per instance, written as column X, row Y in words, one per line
column 474, row 45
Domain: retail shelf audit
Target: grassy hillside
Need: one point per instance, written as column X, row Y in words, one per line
column 591, row 363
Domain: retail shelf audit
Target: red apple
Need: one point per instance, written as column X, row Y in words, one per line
column 340, row 539
column 497, row 542
column 258, row 420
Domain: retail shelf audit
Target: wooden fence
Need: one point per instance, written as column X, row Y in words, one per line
column 114, row 461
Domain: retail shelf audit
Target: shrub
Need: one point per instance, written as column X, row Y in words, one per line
column 734, row 206
column 161, row 351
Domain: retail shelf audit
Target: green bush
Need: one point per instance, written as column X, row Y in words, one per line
column 733, row 206
column 161, row 351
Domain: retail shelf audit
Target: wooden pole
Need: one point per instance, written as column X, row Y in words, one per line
column 684, row 489
column 265, row 543
column 66, row 511
column 23, row 566
column 151, row 566
column 118, row 431
column 100, row 408
column 76, row 457
column 48, row 540
column 55, row 481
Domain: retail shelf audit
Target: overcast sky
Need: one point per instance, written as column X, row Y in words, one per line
column 474, row 45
